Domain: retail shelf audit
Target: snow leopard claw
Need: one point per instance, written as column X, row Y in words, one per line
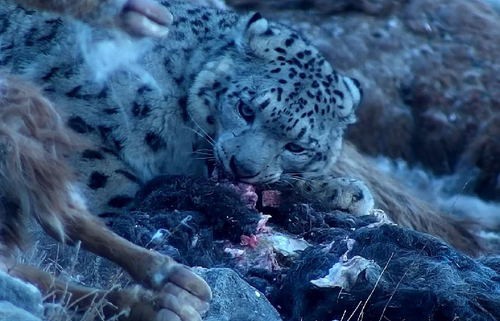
column 185, row 297
column 146, row 18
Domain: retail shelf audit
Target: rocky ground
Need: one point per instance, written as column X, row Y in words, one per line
column 431, row 75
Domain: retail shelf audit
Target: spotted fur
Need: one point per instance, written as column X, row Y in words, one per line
column 279, row 107
column 251, row 94
column 270, row 102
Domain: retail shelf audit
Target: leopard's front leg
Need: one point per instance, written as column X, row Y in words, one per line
column 336, row 193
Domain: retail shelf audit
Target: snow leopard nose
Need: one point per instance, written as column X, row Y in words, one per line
column 241, row 170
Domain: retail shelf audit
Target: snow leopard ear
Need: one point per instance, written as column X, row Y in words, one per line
column 259, row 35
column 348, row 95
column 257, row 25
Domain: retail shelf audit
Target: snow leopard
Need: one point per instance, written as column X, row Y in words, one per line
column 250, row 95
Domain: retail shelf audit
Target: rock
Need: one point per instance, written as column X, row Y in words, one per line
column 233, row 299
column 19, row 300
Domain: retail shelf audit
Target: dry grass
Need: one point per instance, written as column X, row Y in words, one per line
column 74, row 265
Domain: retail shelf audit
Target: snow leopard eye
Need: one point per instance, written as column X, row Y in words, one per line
column 294, row 148
column 246, row 112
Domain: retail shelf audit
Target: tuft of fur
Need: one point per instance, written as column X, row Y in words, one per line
column 403, row 207
column 34, row 177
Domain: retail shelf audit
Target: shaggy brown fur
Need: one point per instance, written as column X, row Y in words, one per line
column 483, row 153
column 35, row 181
column 405, row 209
column 33, row 175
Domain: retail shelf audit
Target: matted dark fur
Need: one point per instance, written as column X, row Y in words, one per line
column 395, row 272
